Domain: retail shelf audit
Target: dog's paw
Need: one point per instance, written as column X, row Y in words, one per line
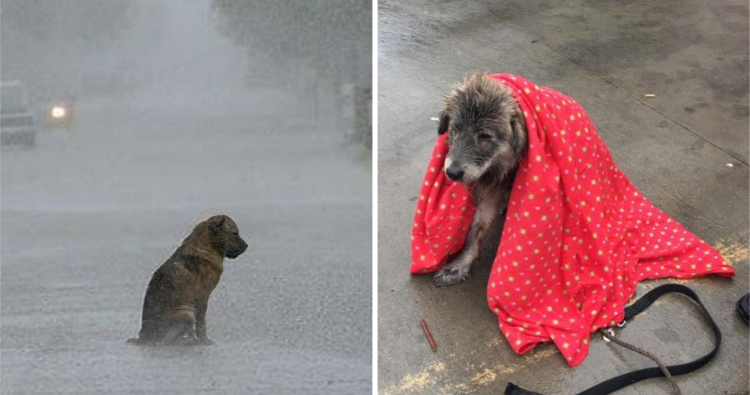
column 207, row 342
column 449, row 276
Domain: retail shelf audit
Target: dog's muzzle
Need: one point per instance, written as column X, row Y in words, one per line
column 454, row 172
column 238, row 251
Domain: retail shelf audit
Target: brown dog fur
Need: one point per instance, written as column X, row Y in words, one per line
column 174, row 309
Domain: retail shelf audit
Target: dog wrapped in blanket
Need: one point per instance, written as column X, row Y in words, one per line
column 577, row 237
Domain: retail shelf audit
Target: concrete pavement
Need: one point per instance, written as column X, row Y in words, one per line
column 676, row 148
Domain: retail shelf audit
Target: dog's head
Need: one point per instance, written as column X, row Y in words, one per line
column 486, row 129
column 225, row 236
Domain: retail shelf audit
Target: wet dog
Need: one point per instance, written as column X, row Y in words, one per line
column 487, row 140
column 174, row 310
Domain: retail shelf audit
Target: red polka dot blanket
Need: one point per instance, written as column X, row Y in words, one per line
column 578, row 236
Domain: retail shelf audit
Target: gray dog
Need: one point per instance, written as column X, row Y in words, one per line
column 174, row 310
column 487, row 139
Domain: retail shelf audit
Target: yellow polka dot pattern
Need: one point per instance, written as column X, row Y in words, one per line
column 443, row 216
column 577, row 238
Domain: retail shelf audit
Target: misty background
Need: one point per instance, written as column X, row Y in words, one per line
column 185, row 109
column 118, row 47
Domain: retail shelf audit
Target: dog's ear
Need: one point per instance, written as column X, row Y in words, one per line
column 445, row 120
column 518, row 128
column 217, row 223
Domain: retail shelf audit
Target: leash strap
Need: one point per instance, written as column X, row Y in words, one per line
column 627, row 379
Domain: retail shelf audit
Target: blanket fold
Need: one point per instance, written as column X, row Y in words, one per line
column 578, row 236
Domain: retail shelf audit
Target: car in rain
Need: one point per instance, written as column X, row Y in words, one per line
column 18, row 125
column 60, row 113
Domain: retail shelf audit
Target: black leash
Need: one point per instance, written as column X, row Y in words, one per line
column 627, row 379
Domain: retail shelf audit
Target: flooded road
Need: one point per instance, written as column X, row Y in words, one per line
column 91, row 212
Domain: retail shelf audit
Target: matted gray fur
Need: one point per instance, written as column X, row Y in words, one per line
column 487, row 139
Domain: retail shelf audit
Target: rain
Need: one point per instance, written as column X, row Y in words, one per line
column 148, row 117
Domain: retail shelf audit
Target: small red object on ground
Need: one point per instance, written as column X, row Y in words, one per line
column 428, row 334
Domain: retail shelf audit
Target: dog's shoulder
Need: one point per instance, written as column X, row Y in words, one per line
column 195, row 265
column 173, row 272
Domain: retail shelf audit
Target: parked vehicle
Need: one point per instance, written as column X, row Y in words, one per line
column 18, row 124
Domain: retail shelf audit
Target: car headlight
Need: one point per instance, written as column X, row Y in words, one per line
column 58, row 112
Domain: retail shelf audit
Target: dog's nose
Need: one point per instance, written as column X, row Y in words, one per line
column 455, row 173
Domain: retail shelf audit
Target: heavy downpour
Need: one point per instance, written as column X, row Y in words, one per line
column 126, row 123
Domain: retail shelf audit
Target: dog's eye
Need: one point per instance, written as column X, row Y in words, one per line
column 484, row 137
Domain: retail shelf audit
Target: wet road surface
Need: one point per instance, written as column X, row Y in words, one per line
column 89, row 214
column 675, row 148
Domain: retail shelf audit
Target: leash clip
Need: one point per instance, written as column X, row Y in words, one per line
column 609, row 332
column 622, row 324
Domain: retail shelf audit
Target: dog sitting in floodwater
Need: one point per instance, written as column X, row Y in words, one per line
column 487, row 138
column 174, row 310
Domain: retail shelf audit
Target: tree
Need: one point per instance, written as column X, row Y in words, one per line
column 333, row 37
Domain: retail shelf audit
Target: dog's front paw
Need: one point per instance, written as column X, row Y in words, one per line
column 449, row 275
column 206, row 342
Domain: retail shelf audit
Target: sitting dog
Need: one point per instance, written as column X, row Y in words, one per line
column 487, row 140
column 174, row 310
